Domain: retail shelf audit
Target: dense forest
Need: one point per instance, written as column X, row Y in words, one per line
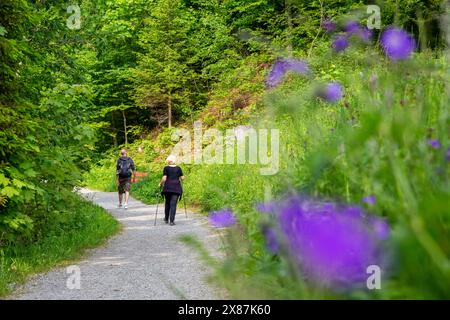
column 79, row 80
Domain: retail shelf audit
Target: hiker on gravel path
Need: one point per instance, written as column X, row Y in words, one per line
column 172, row 189
column 125, row 170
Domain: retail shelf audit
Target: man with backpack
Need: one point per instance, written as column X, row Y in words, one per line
column 125, row 170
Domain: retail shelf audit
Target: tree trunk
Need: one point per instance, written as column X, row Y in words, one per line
column 169, row 107
column 113, row 129
column 288, row 6
column 125, row 127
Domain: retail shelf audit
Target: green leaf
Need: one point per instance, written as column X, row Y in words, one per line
column 3, row 180
column 3, row 31
column 19, row 184
column 9, row 192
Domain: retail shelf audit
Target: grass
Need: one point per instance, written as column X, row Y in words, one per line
column 83, row 226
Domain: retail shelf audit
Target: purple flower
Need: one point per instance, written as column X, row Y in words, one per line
column 364, row 34
column 267, row 207
column 435, row 144
column 381, row 228
column 447, row 155
column 340, row 43
column 271, row 240
column 332, row 245
column 397, row 43
column 298, row 66
column 281, row 67
column 328, row 25
column 352, row 27
column 222, row 218
column 370, row 200
column 331, row 92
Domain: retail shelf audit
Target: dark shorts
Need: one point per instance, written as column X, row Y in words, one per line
column 124, row 185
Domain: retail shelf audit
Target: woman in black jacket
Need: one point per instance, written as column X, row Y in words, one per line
column 172, row 190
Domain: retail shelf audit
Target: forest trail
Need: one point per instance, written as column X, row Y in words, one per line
column 141, row 262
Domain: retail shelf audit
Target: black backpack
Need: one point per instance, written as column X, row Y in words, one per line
column 124, row 168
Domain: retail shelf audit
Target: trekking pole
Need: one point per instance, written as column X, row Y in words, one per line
column 157, row 206
column 185, row 211
column 184, row 200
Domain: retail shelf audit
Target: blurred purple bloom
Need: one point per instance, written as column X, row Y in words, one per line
column 271, row 240
column 447, row 155
column 397, row 43
column 353, row 211
column 340, row 43
column 370, row 200
column 267, row 207
column 281, row 67
column 352, row 27
column 332, row 92
column 364, row 34
column 332, row 244
column 381, row 228
column 435, row 144
column 328, row 25
column 277, row 73
column 298, row 66
column 222, row 218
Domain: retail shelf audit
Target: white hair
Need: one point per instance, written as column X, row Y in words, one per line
column 171, row 159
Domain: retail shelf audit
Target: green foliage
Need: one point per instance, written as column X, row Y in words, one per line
column 44, row 139
column 69, row 96
column 162, row 72
column 148, row 190
column 102, row 177
column 74, row 227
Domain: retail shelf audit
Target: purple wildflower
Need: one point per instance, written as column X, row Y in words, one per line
column 435, row 144
column 340, row 43
column 222, row 218
column 267, row 207
column 447, row 155
column 353, row 211
column 298, row 66
column 271, row 240
column 328, row 25
column 381, row 228
column 364, row 34
column 397, row 43
column 282, row 66
column 332, row 92
column 352, row 27
column 370, row 200
column 332, row 244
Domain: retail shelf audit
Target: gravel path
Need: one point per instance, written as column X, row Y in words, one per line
column 142, row 262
